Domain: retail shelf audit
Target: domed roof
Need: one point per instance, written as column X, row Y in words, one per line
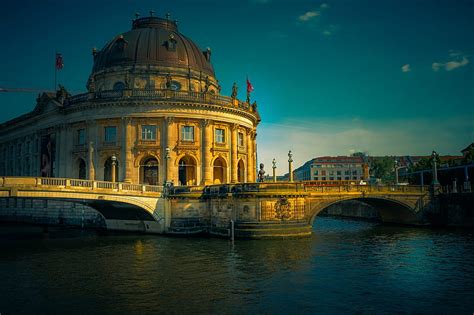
column 153, row 41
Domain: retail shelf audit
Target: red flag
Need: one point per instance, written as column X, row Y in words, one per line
column 59, row 61
column 249, row 86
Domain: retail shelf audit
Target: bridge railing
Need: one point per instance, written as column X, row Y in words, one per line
column 366, row 188
column 78, row 184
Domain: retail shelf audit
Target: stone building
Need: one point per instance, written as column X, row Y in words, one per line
column 334, row 168
column 153, row 113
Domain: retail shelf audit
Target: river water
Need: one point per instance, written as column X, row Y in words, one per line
column 345, row 267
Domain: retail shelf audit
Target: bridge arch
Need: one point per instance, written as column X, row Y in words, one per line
column 389, row 210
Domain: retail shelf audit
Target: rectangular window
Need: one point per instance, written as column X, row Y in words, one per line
column 331, row 178
column 81, row 136
column 331, row 172
column 148, row 132
column 354, row 172
column 110, row 134
column 346, row 178
column 323, row 178
column 220, row 136
column 323, row 172
column 240, row 139
column 187, row 133
column 338, row 172
column 316, row 172
column 347, row 172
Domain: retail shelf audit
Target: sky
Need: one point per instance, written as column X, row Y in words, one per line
column 392, row 77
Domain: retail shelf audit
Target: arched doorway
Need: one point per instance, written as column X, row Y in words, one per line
column 108, row 170
column 220, row 171
column 187, row 171
column 81, row 169
column 240, row 172
column 149, row 171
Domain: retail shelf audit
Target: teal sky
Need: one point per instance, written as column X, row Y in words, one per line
column 330, row 77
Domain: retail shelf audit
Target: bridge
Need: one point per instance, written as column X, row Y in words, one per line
column 122, row 205
column 258, row 209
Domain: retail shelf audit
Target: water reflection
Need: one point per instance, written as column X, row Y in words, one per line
column 345, row 266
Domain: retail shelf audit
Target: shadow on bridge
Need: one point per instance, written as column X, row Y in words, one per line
column 388, row 210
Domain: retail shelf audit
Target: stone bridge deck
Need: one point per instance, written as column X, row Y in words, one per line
column 281, row 208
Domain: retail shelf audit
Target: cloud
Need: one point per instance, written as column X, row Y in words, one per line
column 406, row 68
column 311, row 138
column 458, row 59
column 329, row 29
column 308, row 16
column 324, row 6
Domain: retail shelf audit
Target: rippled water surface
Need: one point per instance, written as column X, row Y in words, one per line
column 345, row 267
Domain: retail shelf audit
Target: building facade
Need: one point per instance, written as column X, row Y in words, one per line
column 153, row 113
column 334, row 168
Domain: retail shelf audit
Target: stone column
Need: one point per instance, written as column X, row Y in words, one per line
column 62, row 150
column 127, row 149
column 171, row 170
column 90, row 161
column 250, row 166
column 254, row 149
column 234, row 161
column 206, row 152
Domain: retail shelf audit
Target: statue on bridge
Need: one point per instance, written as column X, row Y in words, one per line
column 261, row 173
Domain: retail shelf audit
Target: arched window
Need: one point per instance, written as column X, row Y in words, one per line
column 220, row 171
column 149, row 171
column 119, row 86
column 187, row 171
column 81, row 169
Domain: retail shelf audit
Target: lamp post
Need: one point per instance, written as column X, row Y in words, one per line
column 113, row 170
column 290, row 165
column 434, row 156
column 396, row 172
column 274, row 166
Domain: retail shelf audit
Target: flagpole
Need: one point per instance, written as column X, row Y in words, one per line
column 55, row 70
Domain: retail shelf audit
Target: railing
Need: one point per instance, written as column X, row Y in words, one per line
column 192, row 96
column 270, row 187
column 78, row 184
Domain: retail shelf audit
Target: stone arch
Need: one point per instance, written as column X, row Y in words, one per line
column 187, row 170
column 219, row 170
column 390, row 210
column 81, row 168
column 241, row 171
column 149, row 170
column 139, row 158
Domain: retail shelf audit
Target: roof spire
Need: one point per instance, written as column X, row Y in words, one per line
column 168, row 16
column 152, row 12
column 137, row 15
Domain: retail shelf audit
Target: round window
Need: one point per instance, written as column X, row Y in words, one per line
column 175, row 86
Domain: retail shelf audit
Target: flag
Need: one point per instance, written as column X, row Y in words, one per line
column 59, row 61
column 249, row 86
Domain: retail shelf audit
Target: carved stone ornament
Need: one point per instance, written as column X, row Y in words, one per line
column 283, row 209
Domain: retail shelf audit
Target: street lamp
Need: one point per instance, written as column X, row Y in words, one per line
column 290, row 166
column 274, row 166
column 114, row 165
column 434, row 157
column 396, row 172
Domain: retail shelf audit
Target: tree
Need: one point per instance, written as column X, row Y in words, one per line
column 383, row 168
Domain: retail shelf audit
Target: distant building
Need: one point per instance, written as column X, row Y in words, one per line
column 334, row 168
